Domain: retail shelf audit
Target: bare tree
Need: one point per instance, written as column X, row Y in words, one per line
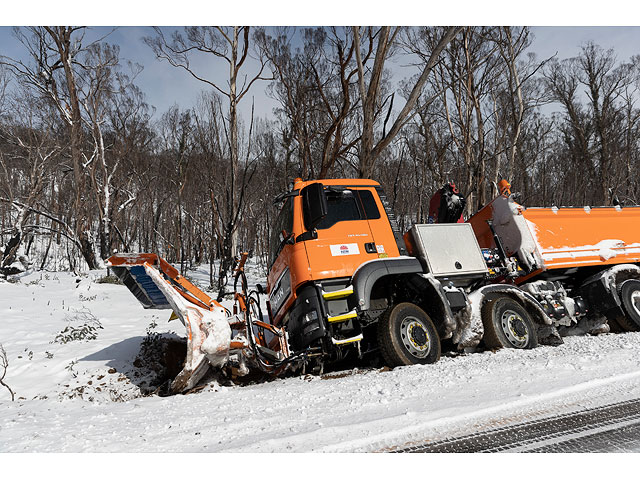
column 52, row 72
column 465, row 78
column 605, row 85
column 4, row 83
column 31, row 155
column 510, row 48
column 562, row 85
column 629, row 188
column 516, row 96
column 314, row 84
column 177, row 127
column 230, row 45
column 133, row 140
column 594, row 133
column 370, row 95
column 101, row 86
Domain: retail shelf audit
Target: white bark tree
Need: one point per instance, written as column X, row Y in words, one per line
column 52, row 71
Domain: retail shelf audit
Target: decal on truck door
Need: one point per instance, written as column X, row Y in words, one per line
column 344, row 249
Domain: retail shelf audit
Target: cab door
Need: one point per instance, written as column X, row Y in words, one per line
column 344, row 237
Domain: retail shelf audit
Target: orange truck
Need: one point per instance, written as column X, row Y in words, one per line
column 344, row 282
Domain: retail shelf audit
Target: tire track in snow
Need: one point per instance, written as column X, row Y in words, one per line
column 544, row 435
column 394, row 436
column 625, row 437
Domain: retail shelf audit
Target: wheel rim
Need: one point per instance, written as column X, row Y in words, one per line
column 514, row 328
column 415, row 337
column 635, row 301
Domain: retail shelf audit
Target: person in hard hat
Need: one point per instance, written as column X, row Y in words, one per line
column 504, row 187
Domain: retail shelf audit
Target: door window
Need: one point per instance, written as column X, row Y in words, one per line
column 346, row 205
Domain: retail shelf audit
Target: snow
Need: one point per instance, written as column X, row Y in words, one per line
column 469, row 327
column 83, row 396
column 605, row 249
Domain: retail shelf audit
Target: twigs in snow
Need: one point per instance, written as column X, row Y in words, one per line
column 4, row 363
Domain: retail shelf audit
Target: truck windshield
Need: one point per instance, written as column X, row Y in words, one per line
column 345, row 205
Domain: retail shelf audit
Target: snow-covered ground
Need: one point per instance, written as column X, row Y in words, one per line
column 84, row 395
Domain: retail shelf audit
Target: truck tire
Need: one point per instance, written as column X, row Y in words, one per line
column 507, row 325
column 629, row 291
column 407, row 336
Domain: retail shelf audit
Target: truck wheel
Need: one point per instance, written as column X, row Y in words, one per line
column 629, row 291
column 507, row 324
column 407, row 336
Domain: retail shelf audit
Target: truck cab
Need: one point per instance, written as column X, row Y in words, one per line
column 331, row 233
column 353, row 229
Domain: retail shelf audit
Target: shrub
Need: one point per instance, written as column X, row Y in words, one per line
column 82, row 325
column 111, row 279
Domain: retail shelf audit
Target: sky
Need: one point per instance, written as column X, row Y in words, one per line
column 165, row 85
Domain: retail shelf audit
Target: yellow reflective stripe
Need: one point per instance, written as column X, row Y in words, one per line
column 345, row 292
column 342, row 318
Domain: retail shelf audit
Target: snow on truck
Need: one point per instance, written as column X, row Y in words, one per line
column 344, row 282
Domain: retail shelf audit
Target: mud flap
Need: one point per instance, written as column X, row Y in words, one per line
column 548, row 335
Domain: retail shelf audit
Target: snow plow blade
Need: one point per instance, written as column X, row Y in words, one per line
column 156, row 284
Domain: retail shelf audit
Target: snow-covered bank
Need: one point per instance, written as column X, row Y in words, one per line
column 58, row 410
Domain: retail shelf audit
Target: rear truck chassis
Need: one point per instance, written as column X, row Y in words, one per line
column 465, row 283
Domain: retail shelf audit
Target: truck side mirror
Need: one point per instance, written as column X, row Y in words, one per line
column 314, row 205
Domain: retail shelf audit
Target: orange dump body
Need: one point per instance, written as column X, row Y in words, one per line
column 577, row 237
column 560, row 238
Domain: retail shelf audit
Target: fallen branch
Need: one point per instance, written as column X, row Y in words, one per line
column 69, row 232
column 4, row 363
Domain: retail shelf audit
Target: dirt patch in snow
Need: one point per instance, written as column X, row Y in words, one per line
column 158, row 362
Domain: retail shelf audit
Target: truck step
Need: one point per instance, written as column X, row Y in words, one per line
column 343, row 341
column 337, row 294
column 342, row 318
